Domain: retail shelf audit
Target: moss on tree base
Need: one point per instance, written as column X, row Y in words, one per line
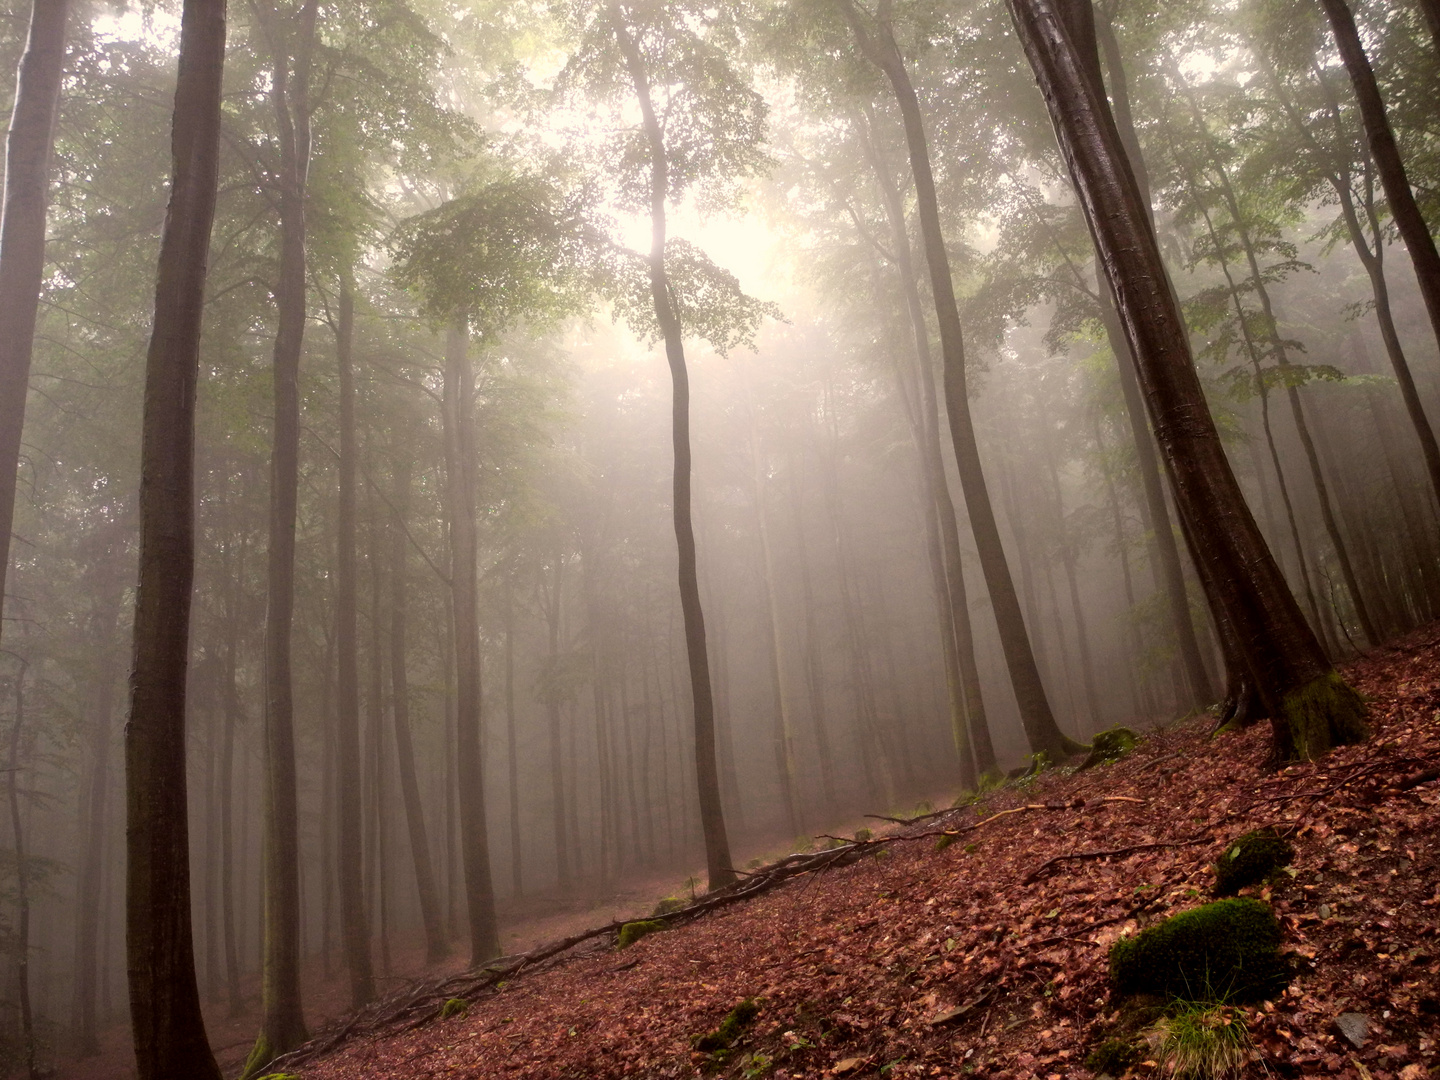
column 1315, row 718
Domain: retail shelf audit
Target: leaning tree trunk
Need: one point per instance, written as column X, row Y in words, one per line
column 165, row 1017
column 707, row 774
column 436, row 947
column 1041, row 730
column 22, row 236
column 354, row 921
column 1312, row 708
column 464, row 598
column 1398, row 193
column 283, row 1019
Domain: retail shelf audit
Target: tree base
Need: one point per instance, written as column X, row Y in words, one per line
column 1315, row 718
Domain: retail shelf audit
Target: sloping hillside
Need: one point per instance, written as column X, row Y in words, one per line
column 984, row 953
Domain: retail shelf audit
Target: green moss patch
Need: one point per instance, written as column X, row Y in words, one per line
column 454, row 1007
column 668, row 905
column 1324, row 713
column 632, row 932
column 1110, row 745
column 1250, row 859
column 1113, row 1056
column 731, row 1028
column 1225, row 951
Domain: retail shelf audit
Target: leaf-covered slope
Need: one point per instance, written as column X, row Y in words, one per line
column 986, row 956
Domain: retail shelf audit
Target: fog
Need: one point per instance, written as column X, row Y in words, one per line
column 479, row 206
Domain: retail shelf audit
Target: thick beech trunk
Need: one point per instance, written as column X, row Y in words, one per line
column 707, row 774
column 22, row 236
column 165, row 1019
column 1041, row 729
column 460, row 496
column 1312, row 708
column 354, row 923
column 283, row 1018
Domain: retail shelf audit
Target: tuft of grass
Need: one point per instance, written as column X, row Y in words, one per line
column 1200, row 1041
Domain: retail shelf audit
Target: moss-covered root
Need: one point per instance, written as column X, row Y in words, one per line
column 1315, row 718
column 731, row 1028
column 632, row 932
column 1250, row 859
column 1110, row 745
column 260, row 1056
column 454, row 1007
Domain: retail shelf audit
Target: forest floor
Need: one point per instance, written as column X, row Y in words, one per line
column 986, row 956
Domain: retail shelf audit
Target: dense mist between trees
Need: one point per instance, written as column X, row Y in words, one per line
column 443, row 672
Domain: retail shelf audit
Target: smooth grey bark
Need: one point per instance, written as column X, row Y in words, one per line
column 167, row 1026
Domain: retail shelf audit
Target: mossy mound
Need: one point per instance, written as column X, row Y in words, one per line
column 1225, row 951
column 1113, row 1057
column 1110, row 745
column 1324, row 713
column 1250, row 859
column 731, row 1028
column 668, row 905
column 454, row 1007
column 632, row 932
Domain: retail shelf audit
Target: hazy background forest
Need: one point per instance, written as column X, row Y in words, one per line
column 820, row 508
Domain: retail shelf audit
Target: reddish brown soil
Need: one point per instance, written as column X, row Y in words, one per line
column 857, row 968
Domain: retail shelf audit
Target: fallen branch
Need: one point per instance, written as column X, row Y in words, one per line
column 1078, row 855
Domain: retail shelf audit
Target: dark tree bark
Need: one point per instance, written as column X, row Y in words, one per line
column 1398, row 193
column 436, row 947
column 354, row 923
column 22, row 236
column 231, row 704
column 167, row 1026
column 283, row 1018
column 460, row 496
column 1041, row 730
column 1312, row 708
column 1431, row 10
column 707, row 774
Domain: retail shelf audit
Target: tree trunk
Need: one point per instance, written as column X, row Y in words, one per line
column 1041, row 730
column 354, row 923
column 96, row 818
column 165, row 1018
column 517, row 878
column 283, row 1020
column 436, row 947
column 1312, row 707
column 21, row 943
column 554, row 607
column 1398, row 193
column 227, row 789
column 22, row 236
column 814, row 664
column 783, row 728
column 707, row 776
column 464, row 593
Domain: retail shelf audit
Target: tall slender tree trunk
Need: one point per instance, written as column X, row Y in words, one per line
column 231, row 704
column 1383, row 148
column 100, row 706
column 436, row 947
column 354, row 922
column 22, row 236
column 1041, row 730
column 783, row 727
column 517, row 877
column 975, row 739
column 378, row 811
column 554, row 609
column 1312, row 708
column 167, row 1026
column 460, row 483
column 814, row 664
column 283, row 1021
column 22, row 881
column 707, row 775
